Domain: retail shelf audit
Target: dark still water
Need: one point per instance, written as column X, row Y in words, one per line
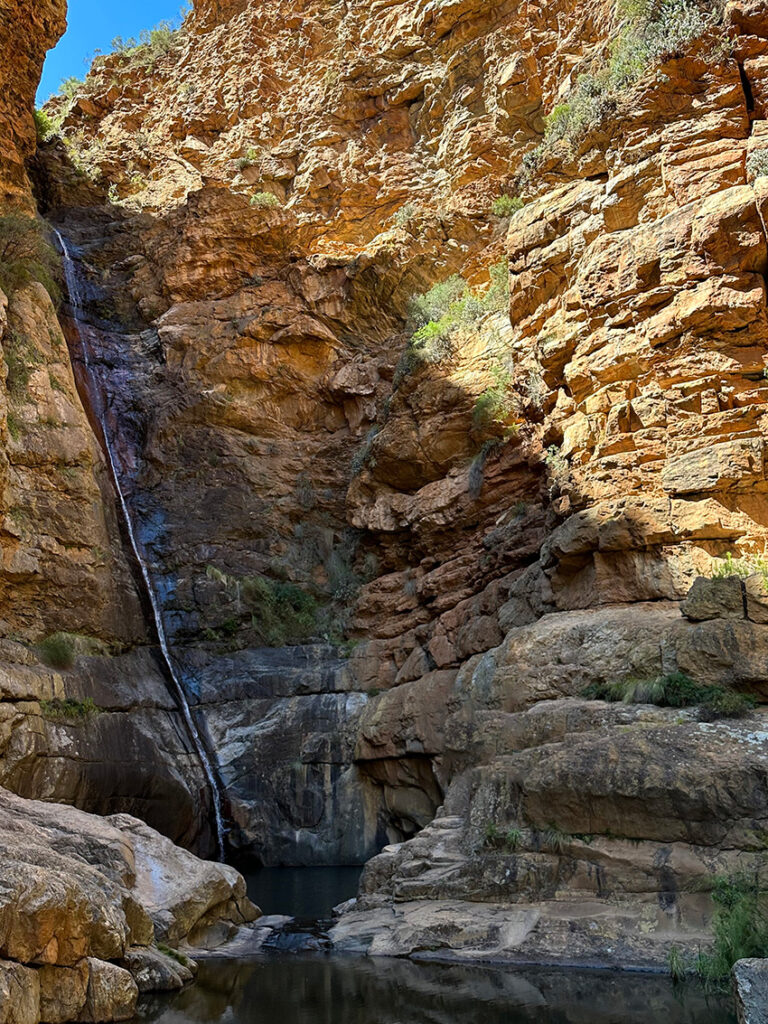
column 300, row 892
column 332, row 990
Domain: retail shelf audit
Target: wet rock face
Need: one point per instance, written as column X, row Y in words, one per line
column 104, row 735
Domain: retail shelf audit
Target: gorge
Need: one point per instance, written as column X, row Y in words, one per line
column 383, row 482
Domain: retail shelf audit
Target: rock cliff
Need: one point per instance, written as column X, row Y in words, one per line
column 431, row 339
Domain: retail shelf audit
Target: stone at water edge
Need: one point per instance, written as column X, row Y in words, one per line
column 750, row 990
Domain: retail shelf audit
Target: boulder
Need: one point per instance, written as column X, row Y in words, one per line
column 156, row 971
column 112, row 993
column 750, row 990
column 78, row 892
column 19, row 994
column 718, row 598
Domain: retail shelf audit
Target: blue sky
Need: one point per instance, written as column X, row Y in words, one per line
column 93, row 24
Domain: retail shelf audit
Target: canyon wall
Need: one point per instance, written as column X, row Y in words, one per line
column 389, row 569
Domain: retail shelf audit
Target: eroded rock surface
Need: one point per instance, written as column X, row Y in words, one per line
column 83, row 902
column 387, row 603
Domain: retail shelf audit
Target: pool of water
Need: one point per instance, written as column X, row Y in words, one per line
column 333, row 990
column 300, row 892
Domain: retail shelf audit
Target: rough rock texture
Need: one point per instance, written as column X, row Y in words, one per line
column 27, row 30
column 439, row 585
column 581, row 831
column 82, row 902
column 63, row 565
column 750, row 987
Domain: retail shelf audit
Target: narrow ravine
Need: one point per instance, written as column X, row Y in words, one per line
column 76, row 306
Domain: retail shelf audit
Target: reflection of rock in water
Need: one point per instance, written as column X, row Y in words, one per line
column 333, row 991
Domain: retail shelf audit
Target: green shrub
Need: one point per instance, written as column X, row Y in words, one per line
column 174, row 954
column 264, row 200
column 740, row 926
column 505, row 206
column 674, row 690
column 405, row 215
column 496, row 403
column 435, row 303
column 443, row 311
column 653, row 31
column 556, row 462
column 494, row 837
column 747, row 566
column 59, row 650
column 676, row 965
column 44, row 126
column 720, row 703
column 151, row 45
column 250, row 159
column 555, row 840
column 15, row 426
column 69, row 708
column 20, row 357
column 280, row 613
column 535, row 388
column 512, row 838
column 70, row 87
column 26, row 255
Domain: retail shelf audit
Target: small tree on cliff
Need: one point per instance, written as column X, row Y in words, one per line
column 26, row 255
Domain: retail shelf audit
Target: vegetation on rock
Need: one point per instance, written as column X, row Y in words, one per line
column 60, row 650
column 68, row 708
column 26, row 255
column 651, row 32
column 505, row 206
column 674, row 690
column 441, row 314
column 740, row 931
column 264, row 200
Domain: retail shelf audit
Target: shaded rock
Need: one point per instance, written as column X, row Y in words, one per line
column 719, row 598
column 156, row 971
column 757, row 597
column 750, row 989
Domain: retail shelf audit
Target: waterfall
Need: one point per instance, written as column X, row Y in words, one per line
column 75, row 299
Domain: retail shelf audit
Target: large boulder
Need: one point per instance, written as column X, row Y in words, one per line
column 79, row 892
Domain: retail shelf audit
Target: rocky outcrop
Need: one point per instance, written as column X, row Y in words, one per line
column 575, row 830
column 83, row 902
column 29, row 29
column 388, row 570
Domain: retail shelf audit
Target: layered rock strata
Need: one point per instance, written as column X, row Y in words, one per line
column 250, row 218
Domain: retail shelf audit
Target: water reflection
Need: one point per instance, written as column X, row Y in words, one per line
column 327, row 990
column 299, row 892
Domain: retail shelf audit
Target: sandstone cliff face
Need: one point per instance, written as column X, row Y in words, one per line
column 298, row 476
column 29, row 30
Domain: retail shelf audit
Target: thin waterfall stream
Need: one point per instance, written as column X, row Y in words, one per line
column 75, row 300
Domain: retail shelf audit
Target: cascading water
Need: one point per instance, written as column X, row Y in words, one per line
column 75, row 299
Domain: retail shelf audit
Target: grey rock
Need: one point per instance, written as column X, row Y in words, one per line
column 750, row 989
